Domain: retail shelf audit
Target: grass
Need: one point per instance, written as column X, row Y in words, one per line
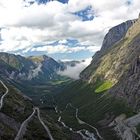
column 35, row 130
column 16, row 106
column 93, row 107
column 103, row 87
column 8, row 133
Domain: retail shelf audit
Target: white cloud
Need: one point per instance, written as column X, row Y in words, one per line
column 33, row 24
column 74, row 72
column 64, row 49
column 52, row 49
column 63, row 41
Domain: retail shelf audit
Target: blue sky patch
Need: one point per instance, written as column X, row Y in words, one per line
column 86, row 14
column 129, row 2
column 81, row 55
column 45, row 1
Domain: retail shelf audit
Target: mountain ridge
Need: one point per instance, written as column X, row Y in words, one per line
column 27, row 68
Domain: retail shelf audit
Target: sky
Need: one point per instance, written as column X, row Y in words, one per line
column 62, row 29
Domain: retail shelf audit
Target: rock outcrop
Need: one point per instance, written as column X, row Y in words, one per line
column 115, row 34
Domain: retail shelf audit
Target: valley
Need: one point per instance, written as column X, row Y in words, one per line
column 37, row 103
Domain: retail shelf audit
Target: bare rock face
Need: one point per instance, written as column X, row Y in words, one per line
column 115, row 34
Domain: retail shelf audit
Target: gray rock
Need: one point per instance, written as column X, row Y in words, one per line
column 115, row 34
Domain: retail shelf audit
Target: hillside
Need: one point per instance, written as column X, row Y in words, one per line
column 16, row 110
column 114, row 37
column 118, row 67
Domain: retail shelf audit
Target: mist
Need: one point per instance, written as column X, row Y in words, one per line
column 74, row 72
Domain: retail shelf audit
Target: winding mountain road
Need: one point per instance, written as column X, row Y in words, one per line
column 85, row 134
column 6, row 92
column 83, row 122
column 88, row 135
column 22, row 129
column 23, row 126
column 45, row 127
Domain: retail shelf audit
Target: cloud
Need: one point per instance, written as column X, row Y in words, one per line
column 26, row 25
column 63, row 41
column 64, row 49
column 74, row 72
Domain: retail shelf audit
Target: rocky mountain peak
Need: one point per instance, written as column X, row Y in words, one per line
column 115, row 34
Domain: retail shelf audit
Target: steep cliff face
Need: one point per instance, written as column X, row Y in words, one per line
column 114, row 36
column 119, row 65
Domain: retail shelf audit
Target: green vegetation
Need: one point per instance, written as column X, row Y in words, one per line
column 19, row 108
column 55, row 129
column 103, row 87
column 138, row 128
column 35, row 130
column 8, row 133
column 96, row 109
column 42, row 90
column 16, row 106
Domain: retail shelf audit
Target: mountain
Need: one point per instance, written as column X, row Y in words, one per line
column 115, row 35
column 29, row 68
column 46, row 67
column 118, row 67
